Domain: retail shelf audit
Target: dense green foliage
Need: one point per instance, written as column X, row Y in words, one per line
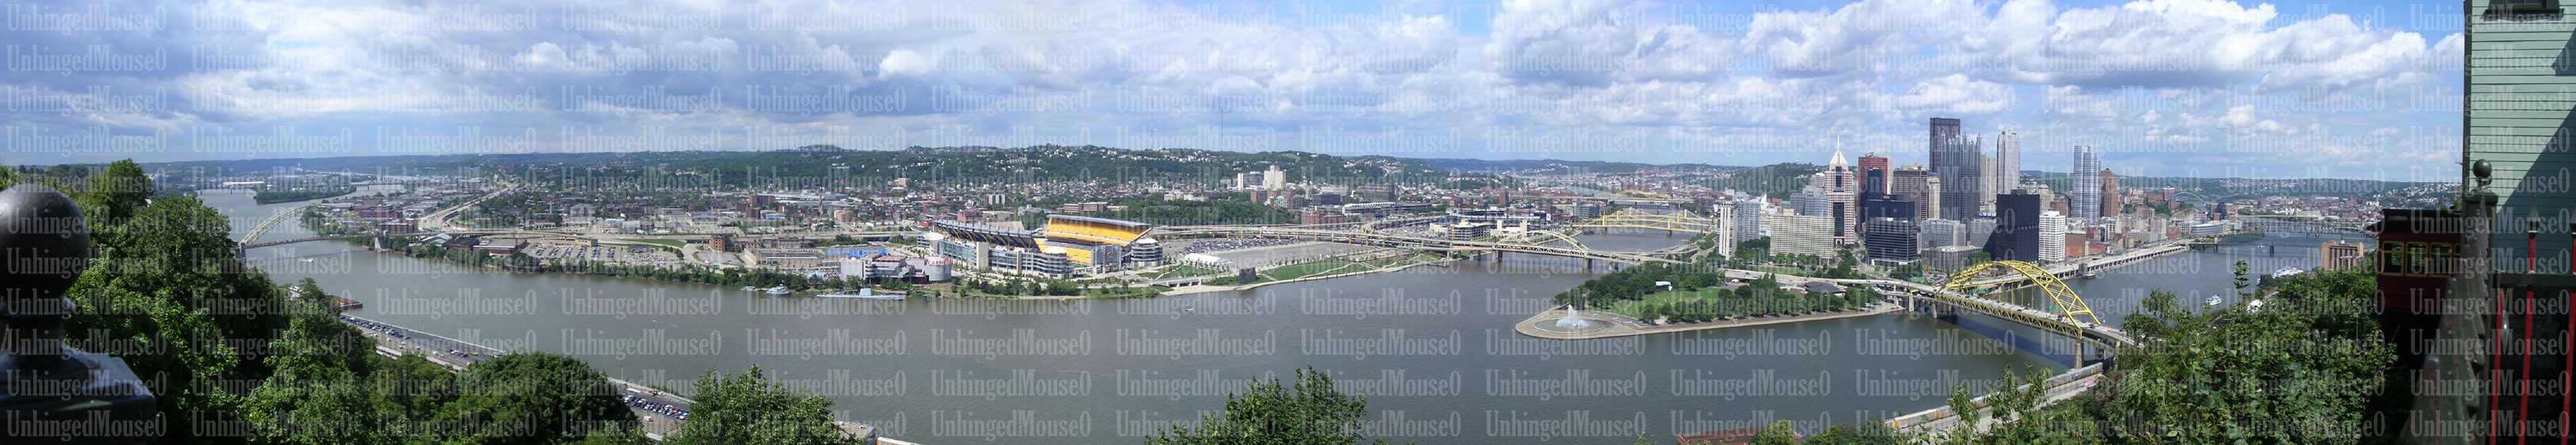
column 1306, row 412
column 1634, row 282
column 2302, row 367
column 301, row 194
column 534, row 398
column 1762, row 296
column 163, row 273
column 750, row 409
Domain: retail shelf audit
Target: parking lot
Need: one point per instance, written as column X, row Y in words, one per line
column 614, row 255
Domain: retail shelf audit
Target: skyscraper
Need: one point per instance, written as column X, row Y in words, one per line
column 1956, row 161
column 1941, row 232
column 2110, row 194
column 1810, row 202
column 1986, row 180
column 1891, row 241
column 1748, row 217
column 2017, row 228
column 2052, row 237
column 1915, row 184
column 2007, row 172
column 1873, row 163
column 2084, row 197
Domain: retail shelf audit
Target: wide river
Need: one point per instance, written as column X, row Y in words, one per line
column 1431, row 348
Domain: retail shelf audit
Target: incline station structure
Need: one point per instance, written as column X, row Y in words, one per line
column 1067, row 247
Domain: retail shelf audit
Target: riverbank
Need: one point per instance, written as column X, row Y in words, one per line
column 1623, row 326
column 1199, row 288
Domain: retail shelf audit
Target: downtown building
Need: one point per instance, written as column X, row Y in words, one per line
column 1919, row 186
column 2084, row 195
column 1958, row 163
column 2016, row 234
column 1803, row 235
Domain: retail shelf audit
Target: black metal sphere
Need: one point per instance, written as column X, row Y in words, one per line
column 43, row 240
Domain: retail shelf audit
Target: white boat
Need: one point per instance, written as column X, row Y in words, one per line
column 750, row 288
column 2287, row 271
column 781, row 290
column 308, row 260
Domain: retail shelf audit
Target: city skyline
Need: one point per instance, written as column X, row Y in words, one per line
column 1518, row 80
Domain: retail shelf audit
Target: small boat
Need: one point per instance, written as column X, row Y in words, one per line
column 781, row 290
column 2287, row 271
column 1190, row 310
column 308, row 260
column 750, row 288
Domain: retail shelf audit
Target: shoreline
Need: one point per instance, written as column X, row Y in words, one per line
column 1624, row 326
column 1204, row 288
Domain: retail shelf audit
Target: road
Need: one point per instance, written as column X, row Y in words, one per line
column 438, row 219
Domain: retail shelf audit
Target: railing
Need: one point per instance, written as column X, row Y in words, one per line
column 2054, row 383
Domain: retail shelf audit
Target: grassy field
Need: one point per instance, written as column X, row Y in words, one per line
column 1315, row 268
column 1629, row 308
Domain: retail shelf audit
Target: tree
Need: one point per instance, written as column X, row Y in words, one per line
column 1779, row 433
column 167, row 275
column 1309, row 411
column 2236, row 373
column 749, row 409
column 315, row 344
column 533, row 398
column 115, row 194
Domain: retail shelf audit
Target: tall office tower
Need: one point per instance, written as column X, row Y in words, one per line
column 1942, row 232
column 1837, row 176
column 1873, row 162
column 1810, row 202
column 2007, row 171
column 2110, row 194
column 2052, row 237
column 2084, row 196
column 1891, row 241
column 1955, row 160
column 1748, row 217
column 1846, row 213
column 1980, row 232
column 1874, row 180
column 1274, row 179
column 2017, row 230
column 1882, row 205
column 1913, row 183
column 1986, row 197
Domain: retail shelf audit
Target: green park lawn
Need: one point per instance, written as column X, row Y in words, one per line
column 1315, row 268
column 1630, row 308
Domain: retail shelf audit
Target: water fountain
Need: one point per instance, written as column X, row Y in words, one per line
column 1572, row 322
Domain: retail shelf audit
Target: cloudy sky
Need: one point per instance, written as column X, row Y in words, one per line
column 2203, row 88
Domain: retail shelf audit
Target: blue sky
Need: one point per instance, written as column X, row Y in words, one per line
column 2160, row 87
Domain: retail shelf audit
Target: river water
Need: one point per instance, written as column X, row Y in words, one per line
column 1431, row 348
